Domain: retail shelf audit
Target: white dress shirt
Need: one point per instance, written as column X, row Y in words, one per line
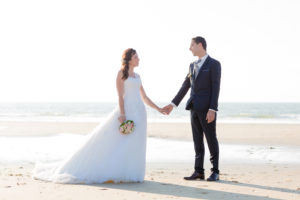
column 199, row 64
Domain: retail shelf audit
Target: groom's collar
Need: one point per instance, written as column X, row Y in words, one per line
column 203, row 58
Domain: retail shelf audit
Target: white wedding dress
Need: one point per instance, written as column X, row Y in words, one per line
column 106, row 155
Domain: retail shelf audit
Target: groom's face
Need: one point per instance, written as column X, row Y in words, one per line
column 195, row 48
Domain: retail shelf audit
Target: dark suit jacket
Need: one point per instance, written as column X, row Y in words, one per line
column 204, row 89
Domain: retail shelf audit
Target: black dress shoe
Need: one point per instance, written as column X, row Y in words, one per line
column 213, row 177
column 195, row 176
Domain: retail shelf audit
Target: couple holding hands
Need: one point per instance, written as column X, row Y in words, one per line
column 108, row 156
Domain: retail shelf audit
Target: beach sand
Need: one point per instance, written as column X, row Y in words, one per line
column 239, row 180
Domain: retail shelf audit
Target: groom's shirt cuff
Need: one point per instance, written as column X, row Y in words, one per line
column 212, row 110
column 174, row 106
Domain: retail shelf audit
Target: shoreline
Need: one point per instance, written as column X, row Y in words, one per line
column 159, row 121
column 266, row 134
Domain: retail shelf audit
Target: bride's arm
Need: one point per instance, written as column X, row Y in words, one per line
column 148, row 101
column 120, row 89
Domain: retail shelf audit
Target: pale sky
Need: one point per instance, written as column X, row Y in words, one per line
column 70, row 51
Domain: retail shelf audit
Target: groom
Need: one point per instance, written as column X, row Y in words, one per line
column 204, row 80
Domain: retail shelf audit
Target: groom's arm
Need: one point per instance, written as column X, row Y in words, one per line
column 183, row 90
column 216, row 80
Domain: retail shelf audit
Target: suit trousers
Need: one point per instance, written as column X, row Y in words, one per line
column 200, row 127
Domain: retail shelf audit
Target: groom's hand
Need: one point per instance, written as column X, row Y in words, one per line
column 210, row 117
column 168, row 109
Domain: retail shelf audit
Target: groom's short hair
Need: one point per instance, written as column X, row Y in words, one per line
column 201, row 40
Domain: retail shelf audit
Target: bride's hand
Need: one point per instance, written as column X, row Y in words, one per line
column 162, row 111
column 122, row 118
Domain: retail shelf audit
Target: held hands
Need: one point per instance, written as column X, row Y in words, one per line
column 162, row 111
column 210, row 117
column 168, row 109
column 122, row 118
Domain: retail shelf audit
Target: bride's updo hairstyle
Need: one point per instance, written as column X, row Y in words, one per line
column 127, row 55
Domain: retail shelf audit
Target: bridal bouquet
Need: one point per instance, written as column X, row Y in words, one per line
column 127, row 127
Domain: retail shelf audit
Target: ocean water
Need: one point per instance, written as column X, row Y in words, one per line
column 96, row 112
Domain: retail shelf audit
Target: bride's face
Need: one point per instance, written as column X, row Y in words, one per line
column 134, row 60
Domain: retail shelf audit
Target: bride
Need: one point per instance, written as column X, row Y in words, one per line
column 106, row 155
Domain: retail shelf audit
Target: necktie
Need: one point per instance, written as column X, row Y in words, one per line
column 196, row 68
